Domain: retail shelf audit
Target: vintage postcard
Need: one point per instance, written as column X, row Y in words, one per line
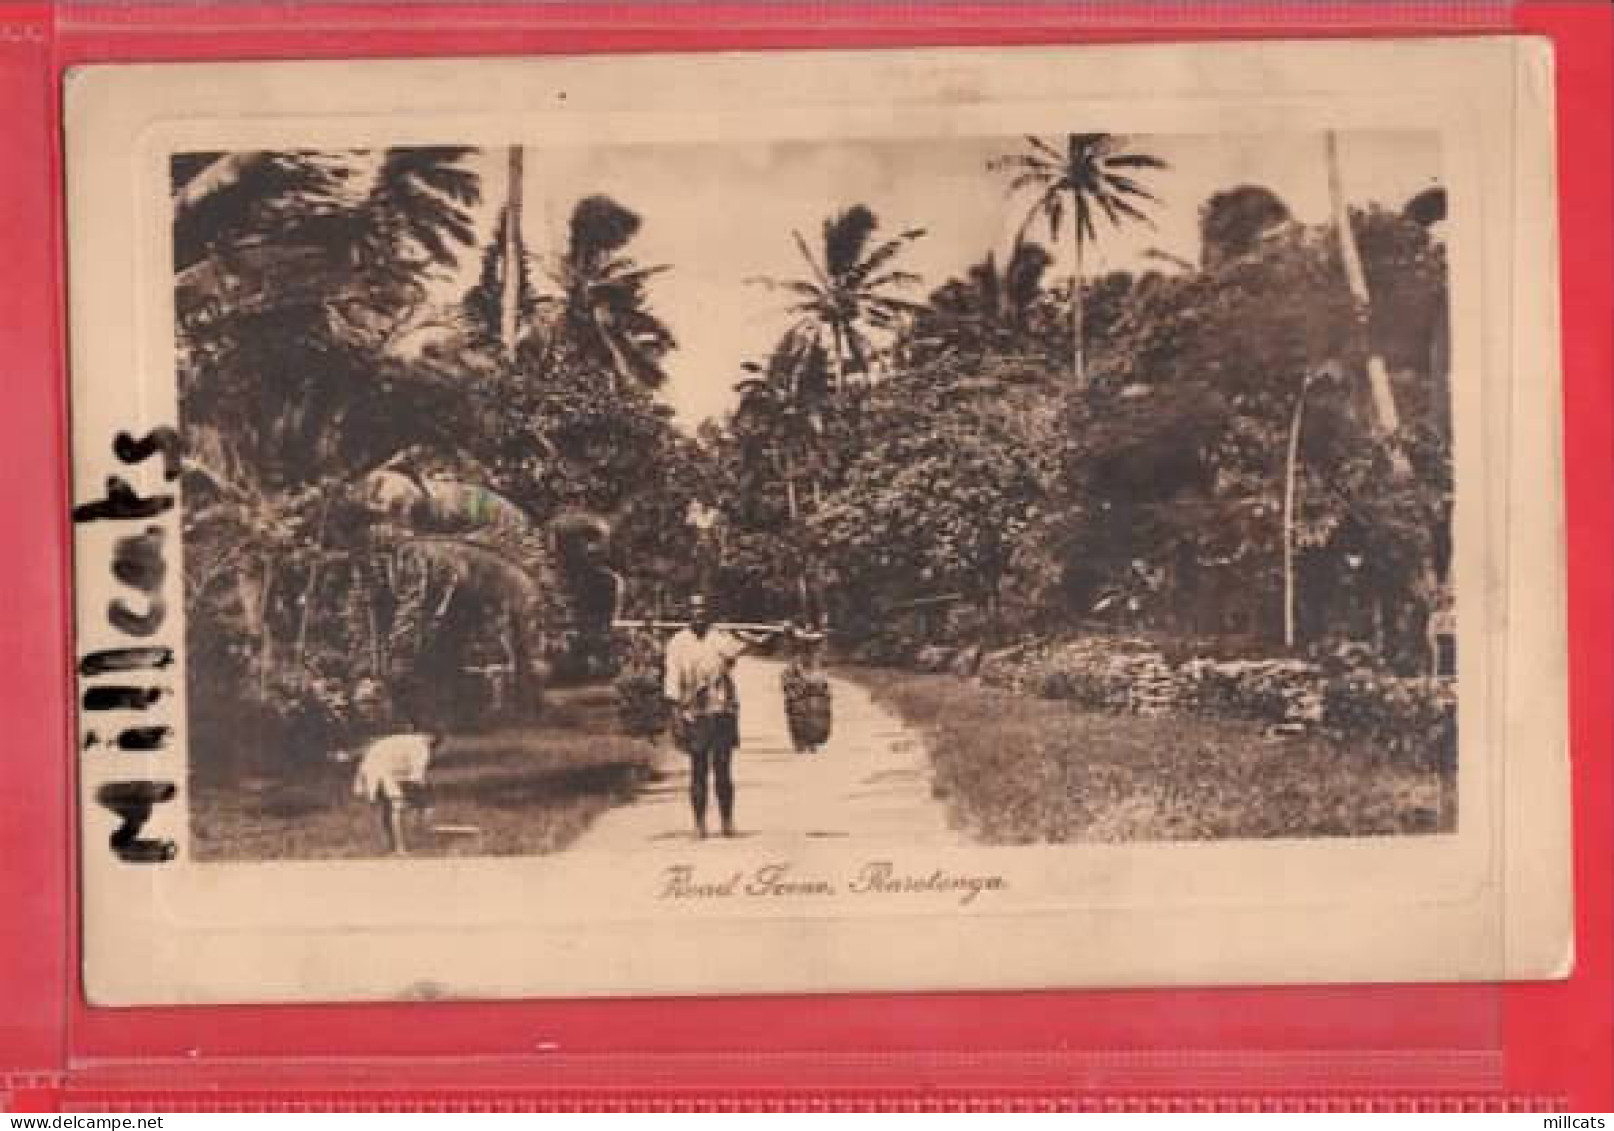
column 806, row 521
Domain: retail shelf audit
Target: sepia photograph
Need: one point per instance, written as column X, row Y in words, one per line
column 841, row 512
column 1005, row 490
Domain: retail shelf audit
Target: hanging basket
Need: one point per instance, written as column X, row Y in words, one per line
column 807, row 706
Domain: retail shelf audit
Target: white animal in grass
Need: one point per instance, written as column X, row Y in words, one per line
column 391, row 775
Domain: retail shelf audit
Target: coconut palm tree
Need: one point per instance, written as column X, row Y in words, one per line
column 991, row 308
column 1233, row 222
column 781, row 405
column 606, row 316
column 780, row 421
column 1386, row 419
column 420, row 202
column 412, row 224
column 352, row 233
column 849, row 288
column 225, row 201
column 499, row 311
column 513, row 279
column 1090, row 174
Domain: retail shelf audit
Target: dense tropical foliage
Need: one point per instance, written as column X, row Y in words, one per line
column 394, row 513
column 1161, row 495
column 406, row 493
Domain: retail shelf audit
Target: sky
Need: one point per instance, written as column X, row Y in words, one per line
column 722, row 215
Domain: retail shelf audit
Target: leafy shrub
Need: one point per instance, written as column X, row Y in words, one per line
column 1013, row 669
column 1015, row 769
column 891, row 649
column 295, row 722
column 1269, row 691
column 1409, row 720
column 1106, row 674
column 641, row 705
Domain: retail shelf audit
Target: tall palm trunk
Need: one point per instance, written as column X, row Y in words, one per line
column 793, row 508
column 256, row 609
column 310, row 595
column 1386, row 420
column 1290, row 477
column 792, row 504
column 1078, row 351
column 514, row 256
column 838, row 358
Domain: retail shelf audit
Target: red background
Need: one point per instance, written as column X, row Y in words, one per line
column 1524, row 1046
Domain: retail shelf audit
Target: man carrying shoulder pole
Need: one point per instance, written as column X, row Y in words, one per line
column 705, row 706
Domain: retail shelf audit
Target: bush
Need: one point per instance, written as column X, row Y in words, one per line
column 934, row 658
column 296, row 722
column 641, row 704
column 1279, row 692
column 893, row 649
column 1015, row 769
column 1410, row 720
column 1122, row 676
column 1015, row 669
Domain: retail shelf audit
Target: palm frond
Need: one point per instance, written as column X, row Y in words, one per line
column 599, row 227
column 1126, row 208
column 1127, row 186
column 799, row 287
column 821, row 274
column 1045, row 147
column 1035, row 180
column 1137, row 161
column 626, row 273
column 846, row 236
column 420, row 199
column 893, row 279
column 885, row 310
column 1026, row 163
column 859, row 272
column 1107, row 204
column 469, row 564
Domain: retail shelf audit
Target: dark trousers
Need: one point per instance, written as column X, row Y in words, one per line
column 711, row 744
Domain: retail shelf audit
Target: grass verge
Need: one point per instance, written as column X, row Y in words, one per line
column 1019, row 770
column 523, row 791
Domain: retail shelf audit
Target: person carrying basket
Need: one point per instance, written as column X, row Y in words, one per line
column 705, row 707
column 806, row 691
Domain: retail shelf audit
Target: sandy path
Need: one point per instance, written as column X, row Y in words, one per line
column 871, row 781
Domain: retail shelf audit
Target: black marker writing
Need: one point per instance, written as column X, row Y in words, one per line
column 125, row 660
column 132, row 802
column 117, row 697
column 137, row 560
column 138, row 739
column 164, row 440
column 122, row 501
column 138, row 563
column 124, row 618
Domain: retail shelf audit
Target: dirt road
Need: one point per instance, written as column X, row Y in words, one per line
column 871, row 781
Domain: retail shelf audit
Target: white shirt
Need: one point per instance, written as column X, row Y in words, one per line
column 697, row 671
column 390, row 762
